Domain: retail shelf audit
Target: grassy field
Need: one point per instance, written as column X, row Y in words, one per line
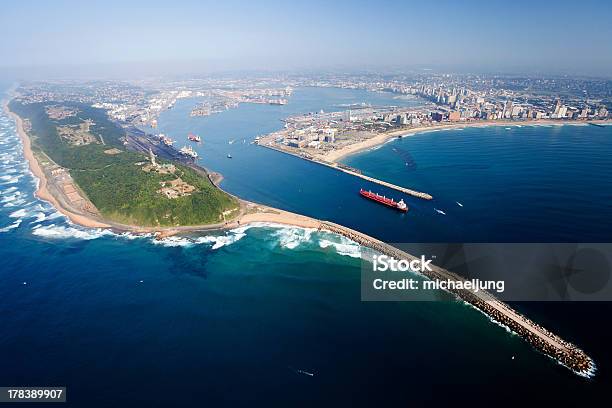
column 117, row 184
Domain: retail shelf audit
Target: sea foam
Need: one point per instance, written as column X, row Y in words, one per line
column 12, row 226
column 60, row 231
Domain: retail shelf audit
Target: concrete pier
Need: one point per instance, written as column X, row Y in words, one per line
column 401, row 189
column 352, row 172
column 540, row 338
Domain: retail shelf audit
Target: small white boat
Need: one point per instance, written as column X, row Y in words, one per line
column 305, row 373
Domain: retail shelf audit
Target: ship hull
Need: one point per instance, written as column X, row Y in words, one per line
column 381, row 200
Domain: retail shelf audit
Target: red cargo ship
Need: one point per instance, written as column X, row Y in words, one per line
column 398, row 205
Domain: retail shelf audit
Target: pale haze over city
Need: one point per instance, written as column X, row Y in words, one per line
column 520, row 36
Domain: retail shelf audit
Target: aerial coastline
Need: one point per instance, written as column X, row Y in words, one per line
column 306, row 203
column 42, row 191
column 249, row 213
column 332, row 158
column 335, row 156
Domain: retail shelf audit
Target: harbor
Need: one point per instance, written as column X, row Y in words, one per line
column 351, row 171
column 438, row 340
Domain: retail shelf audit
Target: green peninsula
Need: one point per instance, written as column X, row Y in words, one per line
column 84, row 154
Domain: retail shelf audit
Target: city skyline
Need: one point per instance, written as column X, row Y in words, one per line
column 119, row 39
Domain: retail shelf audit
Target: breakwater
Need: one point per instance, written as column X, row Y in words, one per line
column 540, row 338
column 353, row 172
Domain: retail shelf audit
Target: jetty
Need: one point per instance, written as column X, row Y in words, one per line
column 540, row 338
column 401, row 189
column 352, row 171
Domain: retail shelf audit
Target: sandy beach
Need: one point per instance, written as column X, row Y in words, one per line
column 335, row 156
column 250, row 212
column 543, row 340
column 42, row 191
column 273, row 215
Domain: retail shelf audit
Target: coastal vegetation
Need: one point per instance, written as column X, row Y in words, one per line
column 114, row 179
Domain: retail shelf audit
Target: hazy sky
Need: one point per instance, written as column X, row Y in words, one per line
column 510, row 35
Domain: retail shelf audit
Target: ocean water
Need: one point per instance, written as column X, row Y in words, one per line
column 236, row 318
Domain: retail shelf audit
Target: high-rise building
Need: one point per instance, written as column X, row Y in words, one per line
column 454, row 116
column 603, row 113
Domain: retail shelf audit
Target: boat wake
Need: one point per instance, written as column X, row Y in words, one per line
column 440, row 211
column 302, row 372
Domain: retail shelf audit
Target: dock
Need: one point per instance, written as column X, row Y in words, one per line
column 353, row 172
column 541, row 339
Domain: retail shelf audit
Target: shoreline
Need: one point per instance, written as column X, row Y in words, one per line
column 336, row 156
column 249, row 212
column 42, row 192
column 541, row 339
column 332, row 158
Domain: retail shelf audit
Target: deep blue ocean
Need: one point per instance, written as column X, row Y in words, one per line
column 234, row 319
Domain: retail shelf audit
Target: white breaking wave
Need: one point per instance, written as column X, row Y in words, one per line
column 10, row 227
column 9, row 198
column 174, row 241
column 55, row 215
column 59, row 231
column 131, row 236
column 287, row 237
column 292, row 237
column 9, row 190
column 39, row 217
column 9, row 179
column 348, row 248
column 15, row 203
column 19, row 213
column 219, row 241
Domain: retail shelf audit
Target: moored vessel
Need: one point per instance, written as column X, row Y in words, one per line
column 280, row 101
column 165, row 139
column 194, row 138
column 188, row 151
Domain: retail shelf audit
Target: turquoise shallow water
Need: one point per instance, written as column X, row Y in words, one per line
column 230, row 319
